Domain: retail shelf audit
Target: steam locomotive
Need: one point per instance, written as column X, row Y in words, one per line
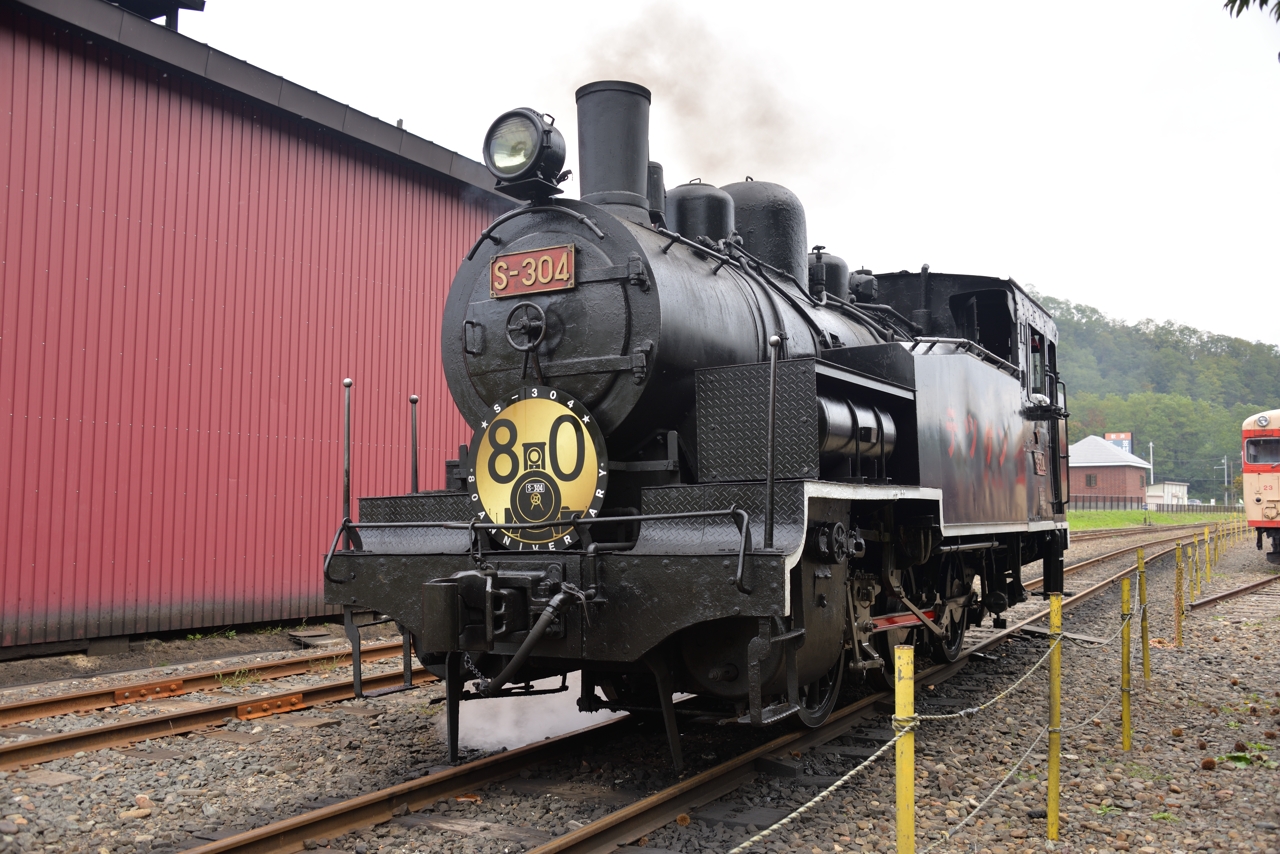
column 707, row 458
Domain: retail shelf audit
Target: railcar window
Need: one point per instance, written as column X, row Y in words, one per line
column 1262, row 451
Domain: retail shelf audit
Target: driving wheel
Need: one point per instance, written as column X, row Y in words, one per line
column 818, row 698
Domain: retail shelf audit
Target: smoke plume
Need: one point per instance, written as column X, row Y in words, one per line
column 728, row 116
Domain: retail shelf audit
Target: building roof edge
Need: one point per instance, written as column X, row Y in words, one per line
column 186, row 55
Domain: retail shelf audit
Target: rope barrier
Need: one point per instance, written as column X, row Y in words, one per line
column 987, row 799
column 1093, row 644
column 965, row 713
column 904, row 725
column 826, row 793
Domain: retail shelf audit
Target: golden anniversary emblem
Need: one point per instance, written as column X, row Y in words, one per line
column 539, row 459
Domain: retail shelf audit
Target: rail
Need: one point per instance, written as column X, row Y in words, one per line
column 177, row 685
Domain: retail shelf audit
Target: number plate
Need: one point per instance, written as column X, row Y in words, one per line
column 518, row 273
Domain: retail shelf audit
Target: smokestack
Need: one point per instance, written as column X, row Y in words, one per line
column 613, row 143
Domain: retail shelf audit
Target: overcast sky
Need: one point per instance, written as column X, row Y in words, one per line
column 1122, row 155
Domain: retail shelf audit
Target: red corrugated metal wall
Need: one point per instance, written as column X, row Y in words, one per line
column 185, row 278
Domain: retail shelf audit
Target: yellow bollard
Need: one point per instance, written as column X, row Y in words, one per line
column 905, row 699
column 1207, row 563
column 1142, row 603
column 1126, row 741
column 1177, row 595
column 1193, row 564
column 1055, row 708
column 1191, row 558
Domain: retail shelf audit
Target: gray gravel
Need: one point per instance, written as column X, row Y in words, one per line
column 1156, row 798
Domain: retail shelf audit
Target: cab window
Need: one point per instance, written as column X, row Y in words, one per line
column 1262, row 451
column 1035, row 363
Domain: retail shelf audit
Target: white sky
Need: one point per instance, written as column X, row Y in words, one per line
column 1121, row 155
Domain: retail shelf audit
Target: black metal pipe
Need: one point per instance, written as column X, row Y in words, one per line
column 967, row 547
column 553, row 609
column 613, row 143
column 413, row 443
column 775, row 343
column 346, row 457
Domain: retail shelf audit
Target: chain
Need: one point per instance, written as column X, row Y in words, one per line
column 484, row 681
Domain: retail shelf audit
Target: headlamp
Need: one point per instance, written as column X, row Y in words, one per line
column 524, row 145
column 1263, row 421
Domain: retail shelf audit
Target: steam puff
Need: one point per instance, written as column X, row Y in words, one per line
column 730, row 118
column 512, row 721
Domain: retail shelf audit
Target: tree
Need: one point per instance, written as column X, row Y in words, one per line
column 1235, row 7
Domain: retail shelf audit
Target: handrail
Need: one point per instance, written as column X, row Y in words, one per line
column 488, row 234
column 964, row 345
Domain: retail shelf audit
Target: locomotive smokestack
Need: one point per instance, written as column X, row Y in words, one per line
column 613, row 143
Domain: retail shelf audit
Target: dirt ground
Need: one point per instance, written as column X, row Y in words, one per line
column 161, row 651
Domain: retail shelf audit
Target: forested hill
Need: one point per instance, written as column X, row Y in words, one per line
column 1184, row 389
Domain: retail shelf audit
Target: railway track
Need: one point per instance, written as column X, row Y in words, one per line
column 632, row 821
column 1243, row 590
column 31, row 751
column 158, row 689
column 1107, row 533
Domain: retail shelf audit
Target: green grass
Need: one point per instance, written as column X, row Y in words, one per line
column 239, row 679
column 1106, row 810
column 1165, row 816
column 226, row 633
column 1085, row 520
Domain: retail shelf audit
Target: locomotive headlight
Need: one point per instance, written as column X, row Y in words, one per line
column 1263, row 421
column 524, row 144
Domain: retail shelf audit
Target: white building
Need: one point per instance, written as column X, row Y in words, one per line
column 1168, row 492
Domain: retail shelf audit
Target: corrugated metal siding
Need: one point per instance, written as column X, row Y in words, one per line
column 185, row 278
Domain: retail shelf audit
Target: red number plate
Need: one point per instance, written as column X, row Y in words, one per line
column 519, row 273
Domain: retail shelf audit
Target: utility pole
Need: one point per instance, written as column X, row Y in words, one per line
column 1151, row 458
column 1226, row 479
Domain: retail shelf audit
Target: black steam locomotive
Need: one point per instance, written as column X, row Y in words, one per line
column 706, row 458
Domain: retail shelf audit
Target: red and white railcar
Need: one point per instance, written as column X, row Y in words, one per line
column 1261, row 440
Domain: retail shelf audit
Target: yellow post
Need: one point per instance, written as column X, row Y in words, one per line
column 1142, row 604
column 1177, row 595
column 1193, row 564
column 905, row 697
column 1055, row 708
column 1208, row 562
column 1125, row 737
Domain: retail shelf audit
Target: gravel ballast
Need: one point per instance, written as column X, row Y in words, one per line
column 1156, row 798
